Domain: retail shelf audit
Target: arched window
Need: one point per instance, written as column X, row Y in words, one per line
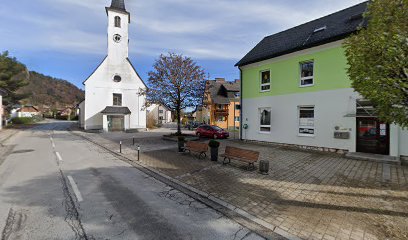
column 117, row 22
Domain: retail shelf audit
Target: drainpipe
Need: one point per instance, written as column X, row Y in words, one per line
column 241, row 107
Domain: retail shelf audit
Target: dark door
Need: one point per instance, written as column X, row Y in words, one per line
column 116, row 123
column 373, row 136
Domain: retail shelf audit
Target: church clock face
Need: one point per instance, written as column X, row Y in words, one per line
column 117, row 38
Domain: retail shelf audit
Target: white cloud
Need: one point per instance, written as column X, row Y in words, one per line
column 207, row 29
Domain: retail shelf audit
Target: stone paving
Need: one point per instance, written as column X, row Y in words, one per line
column 311, row 195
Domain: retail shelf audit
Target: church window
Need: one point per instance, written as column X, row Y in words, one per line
column 117, row 22
column 117, row 99
column 117, row 78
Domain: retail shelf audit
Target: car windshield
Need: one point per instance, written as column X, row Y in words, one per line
column 217, row 128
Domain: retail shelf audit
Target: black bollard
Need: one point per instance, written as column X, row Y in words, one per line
column 120, row 146
column 138, row 153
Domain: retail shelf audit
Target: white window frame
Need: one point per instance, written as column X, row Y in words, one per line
column 237, row 117
column 259, row 120
column 265, row 84
column 302, row 79
column 306, row 126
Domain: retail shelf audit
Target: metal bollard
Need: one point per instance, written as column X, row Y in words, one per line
column 120, row 146
column 138, row 153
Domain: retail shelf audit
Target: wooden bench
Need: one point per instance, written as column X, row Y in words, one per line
column 242, row 155
column 197, row 147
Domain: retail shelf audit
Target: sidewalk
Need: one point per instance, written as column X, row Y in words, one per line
column 311, row 195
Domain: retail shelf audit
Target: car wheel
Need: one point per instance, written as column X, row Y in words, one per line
column 215, row 136
column 199, row 135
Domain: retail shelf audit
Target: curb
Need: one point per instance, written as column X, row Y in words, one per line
column 203, row 196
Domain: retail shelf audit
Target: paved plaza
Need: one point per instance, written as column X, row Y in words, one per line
column 312, row 195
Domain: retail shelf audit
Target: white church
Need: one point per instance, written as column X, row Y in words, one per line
column 113, row 99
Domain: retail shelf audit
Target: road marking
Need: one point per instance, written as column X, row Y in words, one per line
column 75, row 188
column 52, row 142
column 58, row 156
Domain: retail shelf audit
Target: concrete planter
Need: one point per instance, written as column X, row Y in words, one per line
column 264, row 167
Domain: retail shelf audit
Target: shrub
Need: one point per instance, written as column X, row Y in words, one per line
column 22, row 120
column 214, row 144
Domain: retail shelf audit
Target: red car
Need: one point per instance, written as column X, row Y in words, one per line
column 211, row 132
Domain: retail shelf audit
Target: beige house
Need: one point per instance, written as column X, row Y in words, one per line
column 160, row 113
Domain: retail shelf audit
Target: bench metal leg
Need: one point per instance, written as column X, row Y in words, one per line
column 202, row 155
column 224, row 162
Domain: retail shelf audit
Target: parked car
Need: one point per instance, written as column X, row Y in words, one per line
column 211, row 132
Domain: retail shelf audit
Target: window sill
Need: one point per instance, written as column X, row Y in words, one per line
column 264, row 132
column 306, row 135
column 304, row 86
column 264, row 91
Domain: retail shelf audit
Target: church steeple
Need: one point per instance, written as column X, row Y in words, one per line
column 118, row 32
column 118, row 5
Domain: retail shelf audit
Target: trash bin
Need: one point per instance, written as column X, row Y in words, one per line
column 264, row 167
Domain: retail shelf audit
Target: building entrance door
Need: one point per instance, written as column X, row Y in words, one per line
column 373, row 136
column 116, row 123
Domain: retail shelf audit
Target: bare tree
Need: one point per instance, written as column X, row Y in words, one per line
column 177, row 83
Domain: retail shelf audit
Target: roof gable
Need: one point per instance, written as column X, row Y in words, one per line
column 327, row 29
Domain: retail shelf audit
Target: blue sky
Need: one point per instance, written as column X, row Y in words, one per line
column 67, row 38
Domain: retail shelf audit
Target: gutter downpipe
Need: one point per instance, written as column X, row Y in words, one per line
column 240, row 101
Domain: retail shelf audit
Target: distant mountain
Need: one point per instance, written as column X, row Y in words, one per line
column 46, row 91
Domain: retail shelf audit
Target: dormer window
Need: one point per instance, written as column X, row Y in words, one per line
column 117, row 22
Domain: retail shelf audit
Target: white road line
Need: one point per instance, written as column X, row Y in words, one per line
column 75, row 188
column 52, row 141
column 58, row 156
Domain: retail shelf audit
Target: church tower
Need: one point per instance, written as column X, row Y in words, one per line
column 113, row 92
column 118, row 31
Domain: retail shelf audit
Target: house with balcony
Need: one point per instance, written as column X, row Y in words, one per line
column 221, row 104
column 296, row 91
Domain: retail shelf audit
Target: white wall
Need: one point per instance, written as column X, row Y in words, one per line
column 154, row 110
column 284, row 120
column 81, row 117
column 403, row 141
column 331, row 107
column 99, row 90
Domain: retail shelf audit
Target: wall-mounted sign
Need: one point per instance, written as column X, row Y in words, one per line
column 342, row 135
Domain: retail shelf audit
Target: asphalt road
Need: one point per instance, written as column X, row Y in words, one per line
column 55, row 185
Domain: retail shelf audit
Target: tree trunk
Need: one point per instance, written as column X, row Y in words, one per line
column 178, row 122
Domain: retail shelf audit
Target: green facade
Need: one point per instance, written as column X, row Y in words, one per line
column 330, row 72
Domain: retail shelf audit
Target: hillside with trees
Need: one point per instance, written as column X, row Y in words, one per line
column 48, row 91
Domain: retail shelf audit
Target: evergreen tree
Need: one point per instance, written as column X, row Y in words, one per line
column 13, row 76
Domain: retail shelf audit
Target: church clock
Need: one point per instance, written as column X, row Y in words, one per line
column 117, row 38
